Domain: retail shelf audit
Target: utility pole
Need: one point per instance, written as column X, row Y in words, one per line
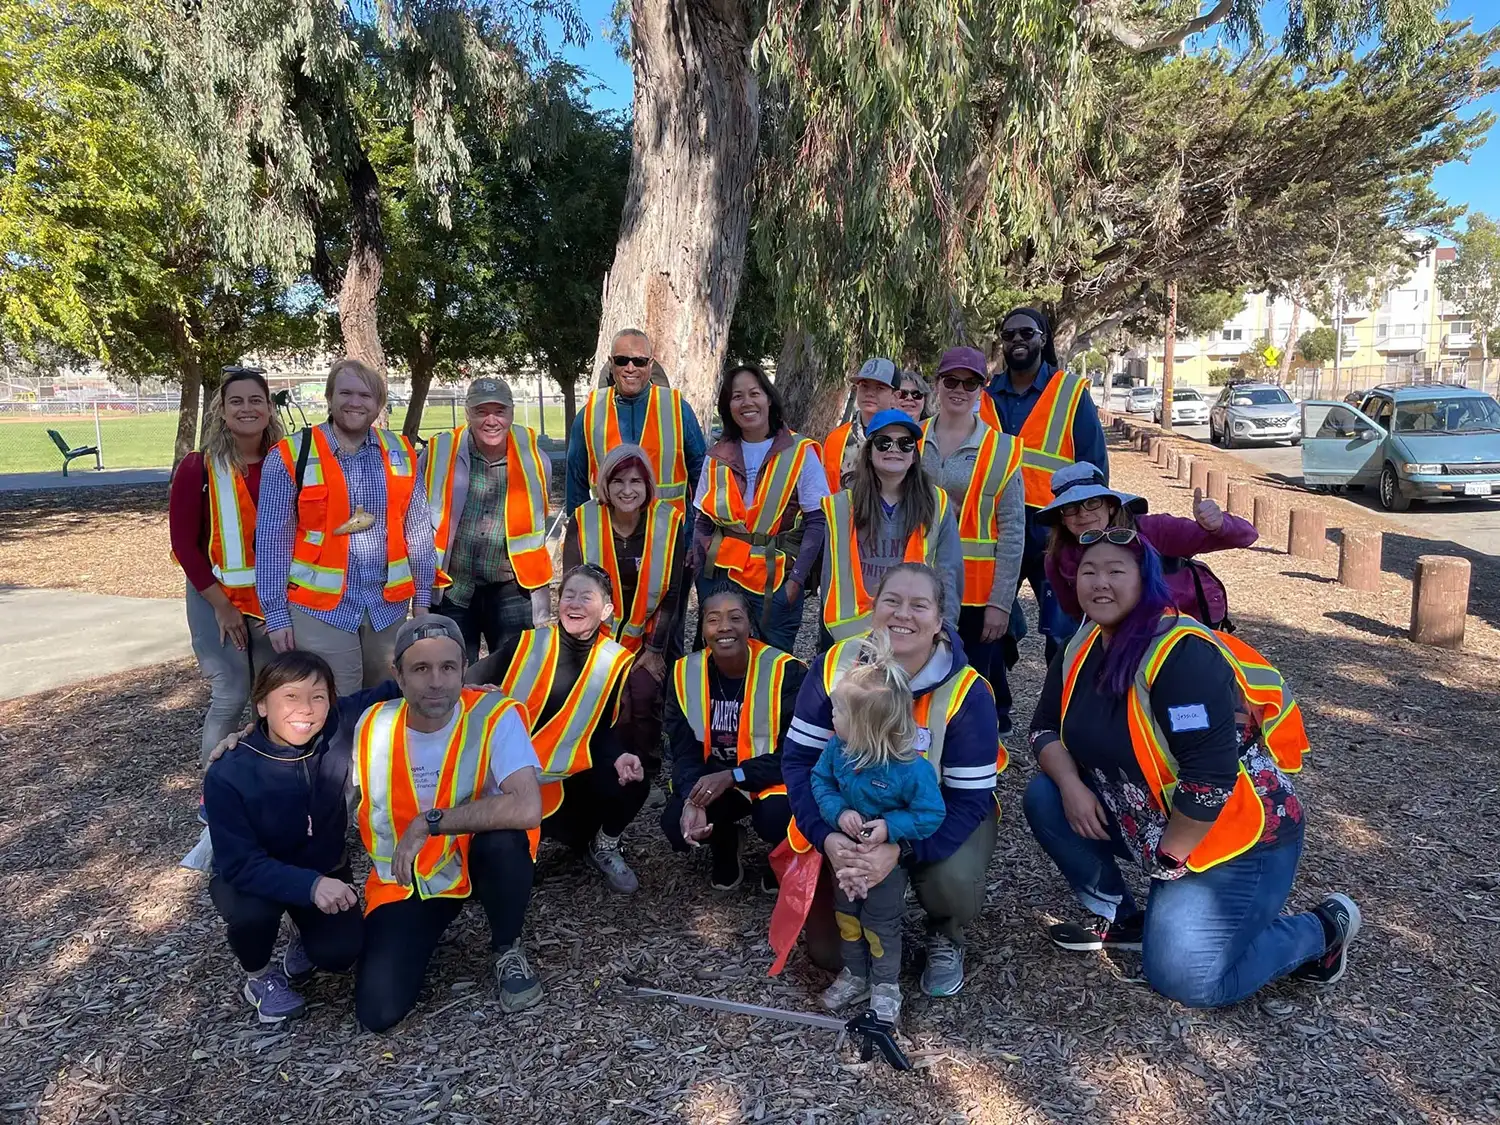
column 1338, row 332
column 1169, row 356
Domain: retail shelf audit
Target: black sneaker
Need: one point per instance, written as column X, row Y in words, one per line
column 1099, row 933
column 1006, row 726
column 1340, row 914
column 769, row 884
column 727, row 870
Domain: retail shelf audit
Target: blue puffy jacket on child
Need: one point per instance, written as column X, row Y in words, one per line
column 906, row 795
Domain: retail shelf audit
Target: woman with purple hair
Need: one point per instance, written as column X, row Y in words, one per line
column 1162, row 741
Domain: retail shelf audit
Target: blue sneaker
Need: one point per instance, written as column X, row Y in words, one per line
column 202, row 812
column 295, row 962
column 273, row 997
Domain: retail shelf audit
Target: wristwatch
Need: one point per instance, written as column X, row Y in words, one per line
column 738, row 775
column 1167, row 867
column 434, row 819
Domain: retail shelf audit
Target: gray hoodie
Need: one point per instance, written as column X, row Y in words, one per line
column 883, row 546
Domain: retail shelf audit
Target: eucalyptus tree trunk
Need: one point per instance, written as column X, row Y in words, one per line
column 362, row 274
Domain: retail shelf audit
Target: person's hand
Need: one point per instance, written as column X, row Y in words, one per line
column 840, row 850
column 1209, row 515
column 874, row 863
column 873, row 834
column 791, row 590
column 406, row 850
column 628, row 768
column 694, row 824
column 851, row 824
column 853, row 885
column 332, row 895
column 229, row 742
column 282, row 639
column 654, row 663
column 232, row 625
column 1085, row 814
column 996, row 622
column 710, row 787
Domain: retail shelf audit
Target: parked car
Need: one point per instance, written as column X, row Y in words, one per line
column 1421, row 442
column 1141, row 400
column 1246, row 413
column 1188, row 408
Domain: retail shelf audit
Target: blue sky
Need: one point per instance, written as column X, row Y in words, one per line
column 1475, row 184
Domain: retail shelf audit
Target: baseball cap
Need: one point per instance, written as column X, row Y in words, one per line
column 893, row 418
column 423, row 627
column 489, row 389
column 962, row 359
column 879, row 371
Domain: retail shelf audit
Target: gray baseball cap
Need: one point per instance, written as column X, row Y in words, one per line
column 879, row 371
column 423, row 627
column 489, row 389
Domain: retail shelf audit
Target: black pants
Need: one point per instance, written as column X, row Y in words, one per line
column 987, row 657
column 401, row 937
column 332, row 941
column 1034, row 574
column 769, row 817
column 592, row 800
column 496, row 612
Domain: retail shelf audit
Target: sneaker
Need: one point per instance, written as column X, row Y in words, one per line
column 846, row 989
column 656, row 799
column 1339, row 913
column 769, row 884
column 519, row 988
column 202, row 812
column 944, row 973
column 727, row 872
column 295, row 962
column 604, row 853
column 1099, row 933
column 1006, row 725
column 885, row 1002
column 273, row 997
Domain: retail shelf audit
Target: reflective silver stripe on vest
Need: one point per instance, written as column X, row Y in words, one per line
column 536, row 493
column 311, row 576
column 237, row 570
column 838, row 571
column 377, row 730
column 1049, row 457
column 598, row 408
column 762, row 693
column 586, row 701
column 655, row 564
column 668, row 421
column 692, row 696
column 442, row 453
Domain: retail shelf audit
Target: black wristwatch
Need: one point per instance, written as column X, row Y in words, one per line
column 434, row 822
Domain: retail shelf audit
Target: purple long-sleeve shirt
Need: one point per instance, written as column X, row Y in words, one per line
column 1173, row 537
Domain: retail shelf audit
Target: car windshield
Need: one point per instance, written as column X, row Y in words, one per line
column 1185, row 396
column 1140, row 392
column 1476, row 415
column 1261, row 396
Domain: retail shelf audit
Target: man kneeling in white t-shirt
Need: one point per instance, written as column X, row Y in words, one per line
column 448, row 806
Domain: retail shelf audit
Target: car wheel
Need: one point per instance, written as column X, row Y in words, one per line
column 1390, row 491
column 1295, row 442
column 1228, row 436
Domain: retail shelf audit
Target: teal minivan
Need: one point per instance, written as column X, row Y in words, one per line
column 1422, row 442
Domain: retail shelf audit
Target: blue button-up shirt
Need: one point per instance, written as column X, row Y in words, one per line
column 364, row 581
column 631, row 413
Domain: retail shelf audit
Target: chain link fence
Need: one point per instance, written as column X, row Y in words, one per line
column 1314, row 383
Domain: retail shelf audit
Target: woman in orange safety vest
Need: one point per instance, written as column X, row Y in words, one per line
column 1165, row 742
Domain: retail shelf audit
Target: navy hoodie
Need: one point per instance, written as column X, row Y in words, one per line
column 277, row 815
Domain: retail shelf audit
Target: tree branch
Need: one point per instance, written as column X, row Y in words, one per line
column 1140, row 44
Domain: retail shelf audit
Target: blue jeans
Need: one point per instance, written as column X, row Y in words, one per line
column 1211, row 938
column 782, row 623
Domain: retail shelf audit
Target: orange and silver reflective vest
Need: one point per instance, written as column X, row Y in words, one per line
column 846, row 602
column 388, row 799
column 745, row 531
column 933, row 712
column 661, row 438
column 596, row 543
column 834, row 447
column 760, row 713
column 989, row 413
column 320, row 558
column 562, row 742
column 1267, row 701
column 231, row 535
column 1047, row 435
column 979, row 521
column 525, row 502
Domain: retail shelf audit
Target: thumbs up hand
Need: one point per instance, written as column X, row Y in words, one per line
column 1209, row 515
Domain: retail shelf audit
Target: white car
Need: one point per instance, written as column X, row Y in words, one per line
column 1141, row 400
column 1188, row 408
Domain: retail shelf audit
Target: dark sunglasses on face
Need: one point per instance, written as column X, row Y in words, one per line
column 631, row 360
column 911, row 396
column 954, row 383
column 1092, row 504
column 1010, row 335
column 903, row 444
column 1119, row 536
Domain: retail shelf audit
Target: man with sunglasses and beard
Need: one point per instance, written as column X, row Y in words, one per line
column 1050, row 410
column 634, row 411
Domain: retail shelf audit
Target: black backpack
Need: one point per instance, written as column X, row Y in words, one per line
column 1202, row 573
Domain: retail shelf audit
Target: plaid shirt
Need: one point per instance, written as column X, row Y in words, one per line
column 479, row 555
column 364, row 583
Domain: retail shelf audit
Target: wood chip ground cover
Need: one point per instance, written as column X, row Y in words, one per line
column 119, row 1000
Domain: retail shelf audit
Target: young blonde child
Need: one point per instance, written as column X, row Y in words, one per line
column 872, row 785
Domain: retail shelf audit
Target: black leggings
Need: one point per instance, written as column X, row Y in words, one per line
column 401, row 937
column 768, row 816
column 595, row 799
column 332, row 941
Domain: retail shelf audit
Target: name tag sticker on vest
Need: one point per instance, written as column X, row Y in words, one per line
column 924, row 740
column 1192, row 717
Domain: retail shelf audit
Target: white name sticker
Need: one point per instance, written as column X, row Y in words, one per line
column 924, row 740
column 1192, row 717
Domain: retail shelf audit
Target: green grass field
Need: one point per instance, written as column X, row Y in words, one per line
column 144, row 441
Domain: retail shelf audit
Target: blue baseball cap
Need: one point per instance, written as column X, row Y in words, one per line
column 893, row 418
column 1078, row 482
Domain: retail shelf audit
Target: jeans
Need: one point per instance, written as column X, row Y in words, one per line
column 871, row 928
column 230, row 672
column 332, row 941
column 496, row 612
column 359, row 660
column 1212, row 937
column 781, row 625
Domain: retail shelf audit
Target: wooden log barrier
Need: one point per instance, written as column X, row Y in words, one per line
column 1307, row 534
column 1440, row 601
column 1184, row 467
column 1267, row 516
column 1359, row 559
column 1241, row 499
column 1199, row 476
column 1218, row 487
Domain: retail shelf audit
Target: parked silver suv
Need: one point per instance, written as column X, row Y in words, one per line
column 1246, row 413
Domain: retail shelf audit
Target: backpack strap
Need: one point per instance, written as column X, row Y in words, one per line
column 307, row 440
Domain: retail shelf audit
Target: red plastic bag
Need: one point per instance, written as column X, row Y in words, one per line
column 797, row 873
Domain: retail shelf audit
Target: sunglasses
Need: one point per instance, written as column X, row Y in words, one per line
column 1119, row 536
column 1012, row 334
column 954, row 383
column 631, row 360
column 903, row 444
column 1092, row 504
column 910, row 396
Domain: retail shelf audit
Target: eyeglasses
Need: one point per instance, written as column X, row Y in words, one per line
column 631, row 360
column 903, row 444
column 1119, row 536
column 1011, row 334
column 911, row 396
column 954, row 383
column 1092, row 504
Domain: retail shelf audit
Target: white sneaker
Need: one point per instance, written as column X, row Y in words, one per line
column 604, row 853
column 846, row 989
column 885, row 999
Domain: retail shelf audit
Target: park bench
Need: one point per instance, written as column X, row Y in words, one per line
column 74, row 454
